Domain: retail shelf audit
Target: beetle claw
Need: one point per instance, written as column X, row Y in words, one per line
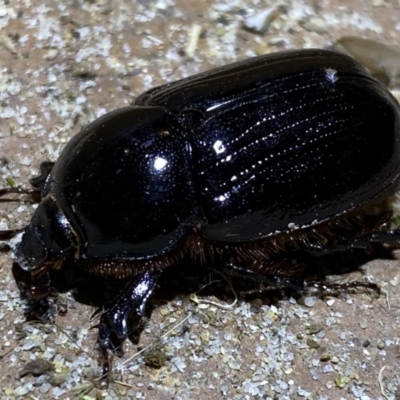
column 114, row 321
column 40, row 309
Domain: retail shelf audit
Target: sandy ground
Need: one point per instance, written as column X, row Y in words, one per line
column 65, row 63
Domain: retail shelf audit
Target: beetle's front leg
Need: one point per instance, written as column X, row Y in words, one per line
column 45, row 169
column 134, row 298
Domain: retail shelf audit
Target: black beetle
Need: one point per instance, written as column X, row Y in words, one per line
column 251, row 168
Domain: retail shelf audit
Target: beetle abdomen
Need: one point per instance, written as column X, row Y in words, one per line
column 309, row 149
column 292, row 141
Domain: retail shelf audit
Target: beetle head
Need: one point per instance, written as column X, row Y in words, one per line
column 47, row 239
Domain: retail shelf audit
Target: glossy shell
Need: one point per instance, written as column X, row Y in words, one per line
column 285, row 141
column 123, row 185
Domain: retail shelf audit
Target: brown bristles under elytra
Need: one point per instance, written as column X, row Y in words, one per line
column 128, row 268
column 271, row 255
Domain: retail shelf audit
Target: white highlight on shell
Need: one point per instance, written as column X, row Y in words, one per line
column 219, row 147
column 331, row 75
column 160, row 163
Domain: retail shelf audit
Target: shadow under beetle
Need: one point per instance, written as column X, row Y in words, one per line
column 254, row 169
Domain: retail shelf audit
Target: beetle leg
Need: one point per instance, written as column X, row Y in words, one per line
column 388, row 237
column 42, row 309
column 362, row 242
column 9, row 233
column 45, row 169
column 34, row 197
column 322, row 249
column 134, row 297
column 34, row 194
column 274, row 279
column 281, row 277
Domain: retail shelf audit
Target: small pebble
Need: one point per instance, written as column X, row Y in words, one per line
column 380, row 345
column 363, row 324
column 313, row 344
column 325, row 357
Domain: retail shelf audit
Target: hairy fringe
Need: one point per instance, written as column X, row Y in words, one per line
column 272, row 255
